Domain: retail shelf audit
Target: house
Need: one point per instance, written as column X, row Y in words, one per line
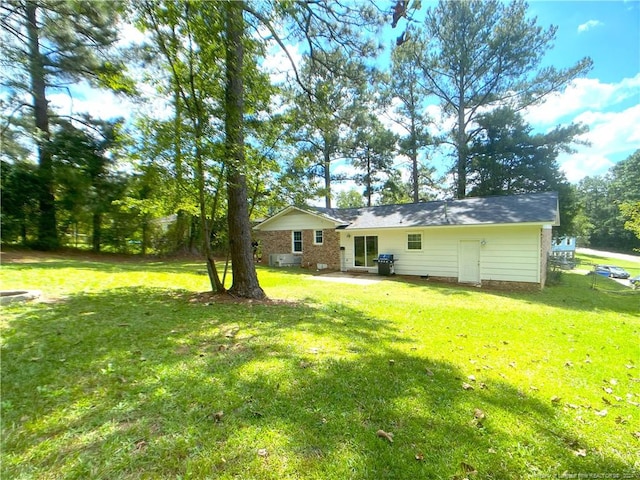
column 564, row 247
column 496, row 241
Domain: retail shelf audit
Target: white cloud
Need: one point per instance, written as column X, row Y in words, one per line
column 610, row 110
column 585, row 27
column 584, row 94
column 583, row 164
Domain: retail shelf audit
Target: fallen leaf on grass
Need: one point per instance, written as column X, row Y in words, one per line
column 472, row 378
column 568, row 364
column 218, row 416
column 601, row 413
column 581, row 452
column 621, row 421
column 636, row 434
column 429, row 372
column 420, row 457
column 387, row 435
column 608, row 390
column 262, row 452
column 466, row 468
column 467, row 386
column 479, row 414
column 555, row 399
column 140, row 445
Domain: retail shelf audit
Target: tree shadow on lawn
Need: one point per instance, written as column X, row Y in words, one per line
column 128, row 383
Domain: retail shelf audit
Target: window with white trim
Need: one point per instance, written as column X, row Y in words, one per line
column 296, row 242
column 414, row 241
column 318, row 238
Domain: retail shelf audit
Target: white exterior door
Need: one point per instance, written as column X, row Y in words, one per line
column 469, row 261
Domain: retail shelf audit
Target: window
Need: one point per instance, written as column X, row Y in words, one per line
column 414, row 241
column 318, row 238
column 297, row 242
column 365, row 250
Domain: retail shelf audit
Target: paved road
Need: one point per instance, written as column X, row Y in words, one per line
column 602, row 253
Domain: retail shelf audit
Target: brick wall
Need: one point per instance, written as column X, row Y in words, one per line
column 280, row 242
column 545, row 249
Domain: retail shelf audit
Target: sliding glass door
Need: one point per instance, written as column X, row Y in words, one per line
column 365, row 251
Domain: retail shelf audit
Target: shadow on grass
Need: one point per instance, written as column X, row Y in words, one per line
column 128, row 383
column 574, row 292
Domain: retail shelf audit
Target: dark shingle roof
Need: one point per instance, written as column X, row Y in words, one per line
column 528, row 208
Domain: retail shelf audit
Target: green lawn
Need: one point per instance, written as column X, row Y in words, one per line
column 122, row 375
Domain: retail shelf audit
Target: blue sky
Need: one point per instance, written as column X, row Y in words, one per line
column 608, row 98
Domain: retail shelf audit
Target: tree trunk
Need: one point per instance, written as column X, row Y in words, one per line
column 145, row 234
column 413, row 153
column 245, row 279
column 47, row 226
column 368, row 179
column 461, row 166
column 97, row 232
column 327, row 173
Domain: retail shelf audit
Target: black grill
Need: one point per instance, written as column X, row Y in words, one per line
column 385, row 264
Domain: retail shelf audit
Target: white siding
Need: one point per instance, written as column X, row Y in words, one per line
column 296, row 220
column 510, row 253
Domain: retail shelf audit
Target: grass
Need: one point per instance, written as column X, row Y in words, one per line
column 588, row 261
column 124, row 375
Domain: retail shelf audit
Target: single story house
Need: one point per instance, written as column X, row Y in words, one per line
column 495, row 241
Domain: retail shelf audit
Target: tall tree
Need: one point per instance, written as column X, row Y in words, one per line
column 326, row 109
column 631, row 212
column 48, row 45
column 84, row 161
column 506, row 158
column 245, row 279
column 372, row 152
column 177, row 33
column 407, row 90
column 602, row 197
column 480, row 54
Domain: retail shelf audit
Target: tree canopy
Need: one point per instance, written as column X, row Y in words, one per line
column 239, row 134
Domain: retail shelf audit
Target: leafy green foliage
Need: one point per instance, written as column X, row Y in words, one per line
column 631, row 212
column 602, row 197
column 349, row 199
column 325, row 111
column 405, row 84
column 50, row 45
column 372, row 151
column 20, row 193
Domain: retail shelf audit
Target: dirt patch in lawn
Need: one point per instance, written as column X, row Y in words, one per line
column 226, row 298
